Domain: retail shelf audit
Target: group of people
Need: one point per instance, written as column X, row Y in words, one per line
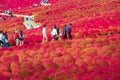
column 4, row 39
column 57, row 33
column 19, row 38
column 7, row 12
column 44, row 1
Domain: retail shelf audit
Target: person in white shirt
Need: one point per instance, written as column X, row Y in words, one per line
column 54, row 33
column 1, row 38
column 44, row 33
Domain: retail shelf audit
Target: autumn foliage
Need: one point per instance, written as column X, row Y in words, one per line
column 92, row 54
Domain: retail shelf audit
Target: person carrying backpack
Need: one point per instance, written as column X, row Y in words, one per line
column 21, row 39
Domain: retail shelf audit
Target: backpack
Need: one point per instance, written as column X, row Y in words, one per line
column 20, row 35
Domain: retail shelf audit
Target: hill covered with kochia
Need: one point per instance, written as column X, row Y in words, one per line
column 89, row 18
column 78, row 59
column 92, row 54
column 100, row 16
column 7, row 4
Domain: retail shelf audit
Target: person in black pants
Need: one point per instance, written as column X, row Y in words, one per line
column 5, row 40
column 64, row 32
column 69, row 31
column 1, row 38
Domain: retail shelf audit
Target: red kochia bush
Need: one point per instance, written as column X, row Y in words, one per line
column 92, row 54
column 77, row 60
column 3, row 77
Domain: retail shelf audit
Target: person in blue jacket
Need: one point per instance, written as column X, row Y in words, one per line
column 5, row 40
column 69, row 31
column 64, row 32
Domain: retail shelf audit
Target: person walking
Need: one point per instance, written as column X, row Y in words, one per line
column 21, row 38
column 16, row 37
column 69, row 31
column 46, row 1
column 42, row 1
column 54, row 33
column 44, row 32
column 58, row 33
column 1, row 39
column 64, row 32
column 5, row 40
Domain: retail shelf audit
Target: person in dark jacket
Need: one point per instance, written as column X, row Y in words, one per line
column 64, row 32
column 21, row 38
column 69, row 31
column 5, row 40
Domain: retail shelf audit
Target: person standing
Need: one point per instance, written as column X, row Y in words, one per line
column 46, row 1
column 5, row 40
column 64, row 32
column 69, row 31
column 44, row 32
column 42, row 1
column 1, row 39
column 54, row 33
column 16, row 37
column 21, row 39
column 58, row 33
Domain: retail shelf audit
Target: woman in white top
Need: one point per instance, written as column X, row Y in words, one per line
column 44, row 33
column 54, row 33
column 1, row 38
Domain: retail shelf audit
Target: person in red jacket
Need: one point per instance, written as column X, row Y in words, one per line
column 16, row 37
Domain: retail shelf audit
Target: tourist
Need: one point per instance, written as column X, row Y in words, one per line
column 64, row 32
column 16, row 37
column 46, row 1
column 51, row 33
column 21, row 38
column 1, row 39
column 11, row 14
column 3, row 17
column 5, row 40
column 69, row 31
column 54, row 33
column 42, row 1
column 59, row 33
column 44, row 33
